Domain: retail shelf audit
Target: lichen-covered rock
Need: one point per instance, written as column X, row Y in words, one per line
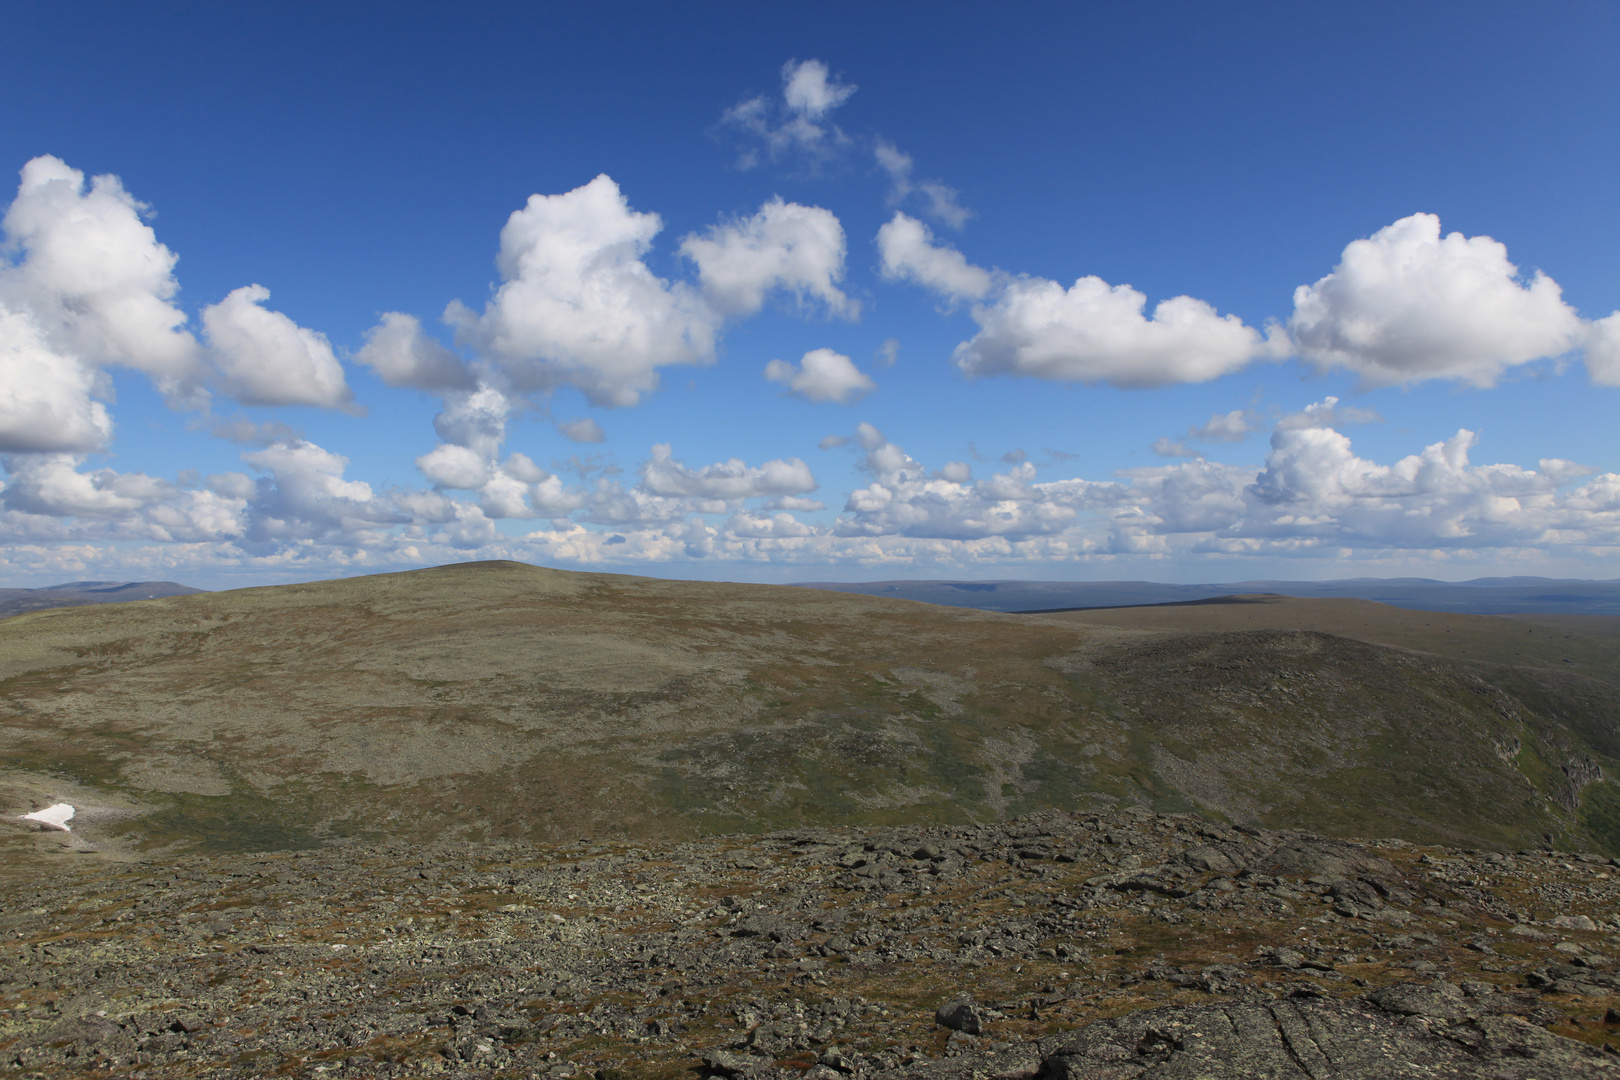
column 1438, row 1000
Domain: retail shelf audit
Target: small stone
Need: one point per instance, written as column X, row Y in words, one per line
column 1574, row 922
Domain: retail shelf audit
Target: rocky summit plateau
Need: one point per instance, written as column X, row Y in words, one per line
column 499, row 820
column 1059, row 945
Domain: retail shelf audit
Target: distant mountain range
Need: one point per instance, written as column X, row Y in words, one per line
column 76, row 593
column 1481, row 596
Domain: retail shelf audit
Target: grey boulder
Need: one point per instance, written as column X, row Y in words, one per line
column 962, row 1015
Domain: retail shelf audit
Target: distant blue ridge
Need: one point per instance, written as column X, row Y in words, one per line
column 1481, row 596
column 79, row 593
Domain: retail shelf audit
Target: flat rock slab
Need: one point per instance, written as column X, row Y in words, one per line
column 1315, row 1040
column 1317, row 856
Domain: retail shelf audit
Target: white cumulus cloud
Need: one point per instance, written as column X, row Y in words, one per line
column 909, row 253
column 663, row 475
column 578, row 307
column 475, row 419
column 1329, row 413
column 522, row 467
column 784, row 245
column 1313, row 495
column 452, row 466
column 98, row 289
column 305, row 496
column 45, row 397
column 1315, row 487
column 810, row 91
column 759, row 526
column 51, row 485
column 402, row 355
column 1603, row 351
column 1095, row 332
column 473, row 427
column 905, row 499
column 1408, row 304
column 504, row 496
column 822, row 375
column 94, row 277
column 799, row 123
column 265, row 358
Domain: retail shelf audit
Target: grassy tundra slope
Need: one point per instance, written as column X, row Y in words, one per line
column 502, row 700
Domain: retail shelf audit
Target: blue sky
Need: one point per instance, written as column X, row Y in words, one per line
column 868, row 291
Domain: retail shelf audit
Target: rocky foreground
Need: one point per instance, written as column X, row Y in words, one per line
column 1066, row 946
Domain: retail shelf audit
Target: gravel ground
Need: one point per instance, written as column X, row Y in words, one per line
column 1062, row 945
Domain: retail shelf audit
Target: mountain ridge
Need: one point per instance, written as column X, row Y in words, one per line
column 1483, row 596
column 78, row 593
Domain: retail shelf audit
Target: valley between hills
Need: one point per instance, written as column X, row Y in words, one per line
column 416, row 822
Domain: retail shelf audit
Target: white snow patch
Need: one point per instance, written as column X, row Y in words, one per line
column 52, row 817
